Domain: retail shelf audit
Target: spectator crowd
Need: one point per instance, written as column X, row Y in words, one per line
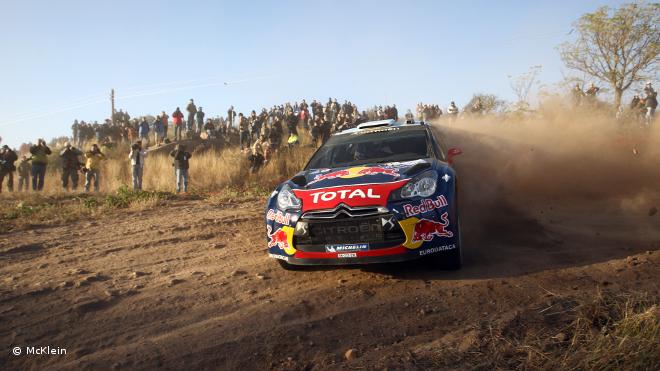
column 258, row 134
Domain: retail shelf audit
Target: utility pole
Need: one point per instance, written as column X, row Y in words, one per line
column 112, row 102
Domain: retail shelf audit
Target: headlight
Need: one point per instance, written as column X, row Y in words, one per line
column 287, row 200
column 421, row 186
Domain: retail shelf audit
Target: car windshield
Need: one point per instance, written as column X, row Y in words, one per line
column 371, row 148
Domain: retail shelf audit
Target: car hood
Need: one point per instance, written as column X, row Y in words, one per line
column 360, row 174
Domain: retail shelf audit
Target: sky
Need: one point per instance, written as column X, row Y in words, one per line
column 62, row 58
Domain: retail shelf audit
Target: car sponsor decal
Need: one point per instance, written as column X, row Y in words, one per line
column 375, row 194
column 436, row 249
column 356, row 172
column 398, row 250
column 347, row 255
column 388, row 223
column 278, row 216
column 302, row 228
column 282, row 238
column 347, row 247
column 418, row 231
column 424, row 206
column 278, row 256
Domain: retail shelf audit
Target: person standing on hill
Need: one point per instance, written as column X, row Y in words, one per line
column 75, row 130
column 70, row 163
column 255, row 128
column 578, row 94
column 316, row 130
column 256, row 158
column 275, row 135
column 164, row 119
column 192, row 111
column 591, row 93
column 24, row 169
column 410, row 118
column 452, row 110
column 181, row 165
column 210, row 130
column 137, row 156
column 177, row 120
column 231, row 115
column 159, row 131
column 93, row 166
column 244, row 131
column 40, row 153
column 634, row 103
column 143, row 130
column 7, row 167
column 650, row 102
column 200, row 119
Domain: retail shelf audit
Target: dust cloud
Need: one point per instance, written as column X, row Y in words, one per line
column 572, row 155
column 522, row 179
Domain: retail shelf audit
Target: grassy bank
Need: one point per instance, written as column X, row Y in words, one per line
column 602, row 331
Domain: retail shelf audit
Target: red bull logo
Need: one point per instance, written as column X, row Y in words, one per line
column 281, row 238
column 424, row 206
column 426, row 230
column 278, row 216
column 379, row 170
column 356, row 172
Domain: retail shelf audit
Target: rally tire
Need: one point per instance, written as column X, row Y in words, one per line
column 449, row 260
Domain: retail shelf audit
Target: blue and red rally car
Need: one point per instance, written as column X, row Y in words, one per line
column 382, row 192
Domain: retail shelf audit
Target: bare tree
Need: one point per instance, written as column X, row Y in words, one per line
column 619, row 47
column 522, row 86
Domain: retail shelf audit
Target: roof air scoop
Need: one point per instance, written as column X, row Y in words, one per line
column 376, row 124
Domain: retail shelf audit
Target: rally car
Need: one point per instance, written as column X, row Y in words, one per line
column 382, row 192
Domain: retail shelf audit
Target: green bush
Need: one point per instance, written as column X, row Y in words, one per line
column 125, row 196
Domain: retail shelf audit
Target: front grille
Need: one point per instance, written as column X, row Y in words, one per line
column 343, row 211
column 350, row 230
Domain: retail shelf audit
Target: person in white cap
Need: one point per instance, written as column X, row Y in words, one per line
column 137, row 156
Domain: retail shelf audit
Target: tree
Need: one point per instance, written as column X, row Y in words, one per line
column 618, row 47
column 490, row 103
column 522, row 86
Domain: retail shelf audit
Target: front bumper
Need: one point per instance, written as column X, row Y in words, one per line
column 390, row 255
column 400, row 241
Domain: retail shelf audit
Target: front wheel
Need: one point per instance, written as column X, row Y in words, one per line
column 448, row 260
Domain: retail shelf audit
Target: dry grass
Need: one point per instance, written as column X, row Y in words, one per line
column 210, row 171
column 615, row 332
column 606, row 331
column 218, row 175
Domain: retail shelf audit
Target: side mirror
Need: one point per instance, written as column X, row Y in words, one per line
column 451, row 153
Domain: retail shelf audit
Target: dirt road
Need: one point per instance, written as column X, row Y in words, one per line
column 189, row 285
